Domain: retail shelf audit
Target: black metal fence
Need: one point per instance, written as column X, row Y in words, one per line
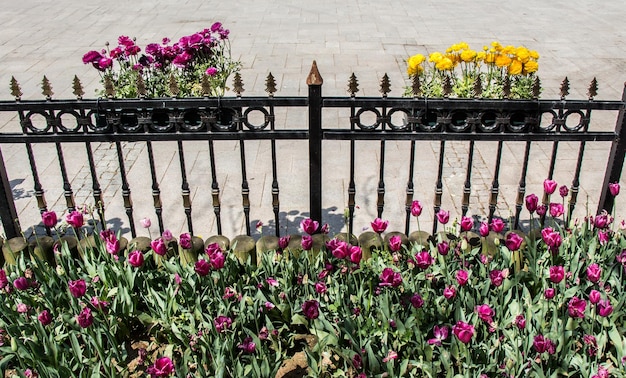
column 383, row 119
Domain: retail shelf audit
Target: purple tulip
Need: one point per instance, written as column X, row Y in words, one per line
column 49, row 218
column 549, row 186
column 311, row 309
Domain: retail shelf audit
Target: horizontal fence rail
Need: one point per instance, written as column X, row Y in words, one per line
column 242, row 119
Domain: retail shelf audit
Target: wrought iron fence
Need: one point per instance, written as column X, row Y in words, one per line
column 383, row 119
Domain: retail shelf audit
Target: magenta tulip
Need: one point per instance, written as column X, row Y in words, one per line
column 49, row 218
column 549, row 186
column 379, row 225
column 77, row 288
column 416, row 208
column 463, row 331
column 311, row 309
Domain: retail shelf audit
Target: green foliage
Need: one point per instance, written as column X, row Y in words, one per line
column 364, row 325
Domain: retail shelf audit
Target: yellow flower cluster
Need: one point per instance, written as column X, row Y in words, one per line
column 516, row 60
column 495, row 69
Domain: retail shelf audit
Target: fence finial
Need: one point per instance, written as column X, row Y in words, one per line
column 477, row 88
column 564, row 88
column 416, row 86
column 238, row 84
column 447, row 87
column 141, row 87
column 109, row 89
column 270, row 85
column 78, row 88
column 205, row 85
column 506, row 87
column 46, row 88
column 385, row 85
column 593, row 89
column 173, row 85
column 353, row 85
column 536, row 88
column 314, row 77
column 16, row 91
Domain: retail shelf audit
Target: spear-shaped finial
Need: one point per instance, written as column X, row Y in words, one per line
column 593, row 89
column 353, row 85
column 238, row 85
column 46, row 88
column 478, row 87
column 536, row 88
column 78, row 88
column 16, row 91
column 109, row 89
column 385, row 85
column 506, row 87
column 270, row 85
column 416, row 86
column 447, row 86
column 141, row 87
column 564, row 88
column 205, row 85
column 173, row 84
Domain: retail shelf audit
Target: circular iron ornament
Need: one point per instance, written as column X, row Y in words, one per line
column 458, row 121
column 405, row 119
column 98, row 122
column 250, row 125
column 367, row 127
column 552, row 124
column 192, row 120
column 488, row 122
column 160, row 121
column 65, row 129
column 429, row 121
column 225, row 119
column 28, row 122
column 129, row 122
column 517, row 122
column 581, row 122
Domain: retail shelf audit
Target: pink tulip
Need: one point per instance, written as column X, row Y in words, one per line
column 549, row 186
column 379, row 225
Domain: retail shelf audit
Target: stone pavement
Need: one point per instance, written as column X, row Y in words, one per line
column 578, row 39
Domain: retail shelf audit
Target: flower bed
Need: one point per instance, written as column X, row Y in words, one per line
column 488, row 304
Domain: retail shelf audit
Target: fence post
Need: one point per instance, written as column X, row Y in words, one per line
column 8, row 214
column 314, row 81
column 616, row 160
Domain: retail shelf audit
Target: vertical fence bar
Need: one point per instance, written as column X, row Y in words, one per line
column 521, row 190
column 8, row 213
column 96, row 191
column 67, row 188
column 616, row 160
column 439, row 184
column 545, row 200
column 380, row 201
column 467, row 187
column 576, row 181
column 495, row 185
column 39, row 193
column 409, row 189
column 351, row 184
column 315, row 81
column 275, row 188
column 156, row 191
column 245, row 189
column 128, row 202
column 185, row 187
column 215, row 189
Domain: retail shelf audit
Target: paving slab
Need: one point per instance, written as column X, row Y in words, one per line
column 577, row 39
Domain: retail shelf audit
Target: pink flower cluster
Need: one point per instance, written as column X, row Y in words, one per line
column 345, row 251
column 190, row 49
